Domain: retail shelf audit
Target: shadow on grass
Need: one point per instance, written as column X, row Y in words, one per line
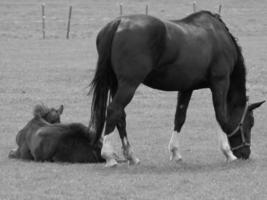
column 182, row 167
column 146, row 167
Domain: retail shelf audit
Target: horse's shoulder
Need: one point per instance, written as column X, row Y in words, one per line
column 46, row 130
column 202, row 19
column 198, row 16
column 20, row 137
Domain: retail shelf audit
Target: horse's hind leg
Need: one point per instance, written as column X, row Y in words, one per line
column 126, row 147
column 116, row 116
column 180, row 115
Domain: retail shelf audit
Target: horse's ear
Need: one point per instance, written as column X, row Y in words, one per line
column 255, row 105
column 60, row 110
column 39, row 110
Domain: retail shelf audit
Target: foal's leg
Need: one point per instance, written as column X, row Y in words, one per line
column 219, row 90
column 115, row 116
column 25, row 152
column 180, row 115
column 22, row 152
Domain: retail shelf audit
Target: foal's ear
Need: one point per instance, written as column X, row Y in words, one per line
column 255, row 105
column 60, row 110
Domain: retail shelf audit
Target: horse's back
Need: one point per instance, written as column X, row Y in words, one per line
column 75, row 146
column 171, row 55
column 76, row 150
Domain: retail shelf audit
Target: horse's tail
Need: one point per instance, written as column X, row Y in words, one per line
column 104, row 79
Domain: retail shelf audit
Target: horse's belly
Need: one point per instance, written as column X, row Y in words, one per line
column 175, row 78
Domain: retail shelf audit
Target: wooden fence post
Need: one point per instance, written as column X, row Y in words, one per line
column 194, row 6
column 43, row 20
column 69, row 19
column 220, row 8
column 121, row 10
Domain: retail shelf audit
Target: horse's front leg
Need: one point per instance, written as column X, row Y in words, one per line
column 180, row 115
column 219, row 91
column 225, row 147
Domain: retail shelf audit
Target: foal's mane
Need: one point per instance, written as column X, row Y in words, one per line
column 40, row 110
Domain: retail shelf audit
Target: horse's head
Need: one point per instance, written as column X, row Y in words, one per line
column 50, row 115
column 53, row 116
column 240, row 138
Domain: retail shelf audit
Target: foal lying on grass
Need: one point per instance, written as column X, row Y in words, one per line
column 44, row 138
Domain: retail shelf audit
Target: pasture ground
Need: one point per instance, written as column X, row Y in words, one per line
column 57, row 71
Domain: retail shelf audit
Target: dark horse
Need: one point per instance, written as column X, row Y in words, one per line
column 180, row 55
column 45, row 139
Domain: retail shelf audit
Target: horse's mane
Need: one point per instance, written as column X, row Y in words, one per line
column 238, row 76
column 40, row 110
column 73, row 130
column 80, row 128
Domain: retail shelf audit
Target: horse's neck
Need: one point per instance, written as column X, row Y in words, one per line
column 35, row 124
column 40, row 121
column 236, row 103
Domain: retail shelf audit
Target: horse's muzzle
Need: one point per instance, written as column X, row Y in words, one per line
column 242, row 153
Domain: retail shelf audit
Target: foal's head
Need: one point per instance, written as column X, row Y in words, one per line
column 240, row 138
column 50, row 115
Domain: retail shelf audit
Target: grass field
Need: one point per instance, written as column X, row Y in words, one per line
column 57, row 71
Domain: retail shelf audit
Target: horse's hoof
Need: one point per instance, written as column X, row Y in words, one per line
column 118, row 159
column 12, row 154
column 111, row 163
column 175, row 157
column 134, row 161
column 178, row 160
column 231, row 158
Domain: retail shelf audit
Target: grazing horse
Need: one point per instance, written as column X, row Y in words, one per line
column 45, row 139
column 195, row 52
